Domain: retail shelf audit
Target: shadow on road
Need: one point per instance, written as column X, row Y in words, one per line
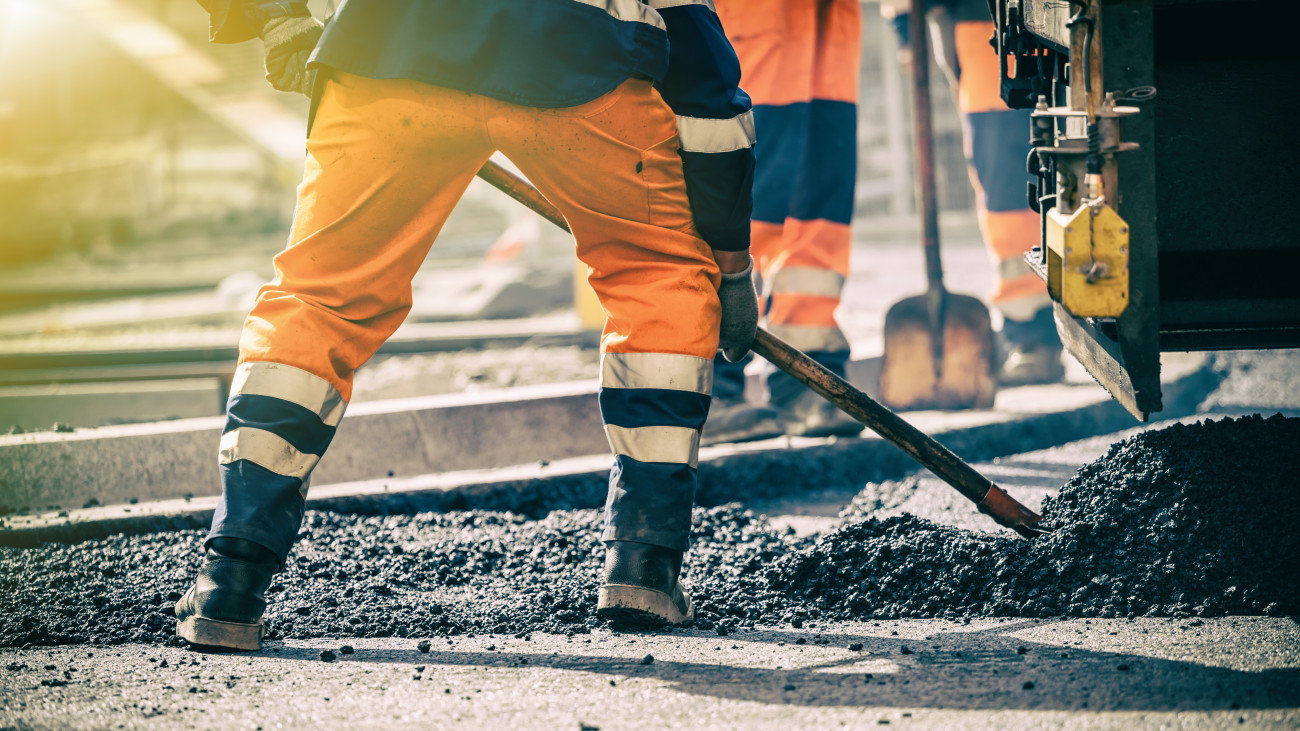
column 977, row 670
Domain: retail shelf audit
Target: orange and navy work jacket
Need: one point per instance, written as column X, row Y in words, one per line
column 550, row 54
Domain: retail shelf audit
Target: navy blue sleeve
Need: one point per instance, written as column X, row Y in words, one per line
column 714, row 121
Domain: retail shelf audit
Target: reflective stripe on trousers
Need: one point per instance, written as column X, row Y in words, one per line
column 654, row 405
column 279, row 421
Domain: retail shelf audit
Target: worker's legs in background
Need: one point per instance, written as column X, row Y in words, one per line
column 612, row 168
column 386, row 163
column 996, row 140
column 804, row 274
column 731, row 417
column 800, row 67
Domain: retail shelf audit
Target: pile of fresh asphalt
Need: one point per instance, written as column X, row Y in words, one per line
column 1189, row 520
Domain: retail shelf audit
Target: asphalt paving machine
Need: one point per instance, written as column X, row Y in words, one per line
column 1164, row 170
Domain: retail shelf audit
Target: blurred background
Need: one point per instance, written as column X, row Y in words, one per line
column 147, row 178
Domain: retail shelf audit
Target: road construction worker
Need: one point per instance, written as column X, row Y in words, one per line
column 627, row 115
column 800, row 62
column 996, row 142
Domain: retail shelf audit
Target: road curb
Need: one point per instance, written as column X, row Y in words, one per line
column 400, row 437
column 212, row 353
column 764, row 470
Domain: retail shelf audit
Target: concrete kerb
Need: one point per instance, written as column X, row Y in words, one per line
column 400, row 437
column 98, row 404
column 764, row 470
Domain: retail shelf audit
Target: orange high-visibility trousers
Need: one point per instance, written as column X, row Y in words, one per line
column 997, row 141
column 799, row 63
column 387, row 161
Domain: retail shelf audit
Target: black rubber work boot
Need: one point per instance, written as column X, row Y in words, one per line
column 224, row 607
column 642, row 586
column 1032, row 351
column 810, row 415
column 1030, row 365
column 736, row 420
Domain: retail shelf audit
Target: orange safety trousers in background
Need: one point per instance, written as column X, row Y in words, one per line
column 799, row 62
column 387, row 161
column 997, row 141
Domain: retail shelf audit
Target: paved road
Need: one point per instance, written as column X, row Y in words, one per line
column 1080, row 673
column 1146, row 673
column 1076, row 673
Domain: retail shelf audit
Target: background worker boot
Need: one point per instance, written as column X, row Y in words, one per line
column 739, row 421
column 642, row 586
column 1033, row 350
column 224, row 606
column 810, row 415
column 1028, row 365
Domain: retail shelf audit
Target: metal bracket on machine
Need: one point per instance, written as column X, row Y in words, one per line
column 1019, row 55
column 1093, row 343
column 1087, row 242
column 1102, row 356
column 1104, row 308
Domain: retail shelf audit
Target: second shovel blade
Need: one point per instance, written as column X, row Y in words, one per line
column 966, row 376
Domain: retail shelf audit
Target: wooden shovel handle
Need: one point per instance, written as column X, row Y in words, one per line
column 522, row 191
column 988, row 497
column 927, row 208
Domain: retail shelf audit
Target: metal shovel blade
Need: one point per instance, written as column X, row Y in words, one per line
column 964, row 377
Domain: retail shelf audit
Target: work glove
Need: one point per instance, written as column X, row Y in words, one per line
column 289, row 40
column 739, row 313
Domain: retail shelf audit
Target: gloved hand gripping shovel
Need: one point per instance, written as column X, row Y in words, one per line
column 988, row 497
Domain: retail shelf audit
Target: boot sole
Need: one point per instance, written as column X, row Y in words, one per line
column 640, row 607
column 215, row 633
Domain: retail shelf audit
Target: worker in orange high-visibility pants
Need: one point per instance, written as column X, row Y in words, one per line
column 800, row 68
column 646, row 151
column 996, row 140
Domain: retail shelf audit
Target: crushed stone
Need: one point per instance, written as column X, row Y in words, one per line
column 1188, row 520
column 1191, row 520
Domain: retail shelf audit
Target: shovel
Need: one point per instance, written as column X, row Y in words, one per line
column 939, row 351
column 988, row 497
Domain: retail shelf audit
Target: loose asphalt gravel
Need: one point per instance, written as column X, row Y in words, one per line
column 1189, row 521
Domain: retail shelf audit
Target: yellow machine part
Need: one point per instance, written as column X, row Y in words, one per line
column 1087, row 262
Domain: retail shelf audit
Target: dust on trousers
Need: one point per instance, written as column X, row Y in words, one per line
column 387, row 161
